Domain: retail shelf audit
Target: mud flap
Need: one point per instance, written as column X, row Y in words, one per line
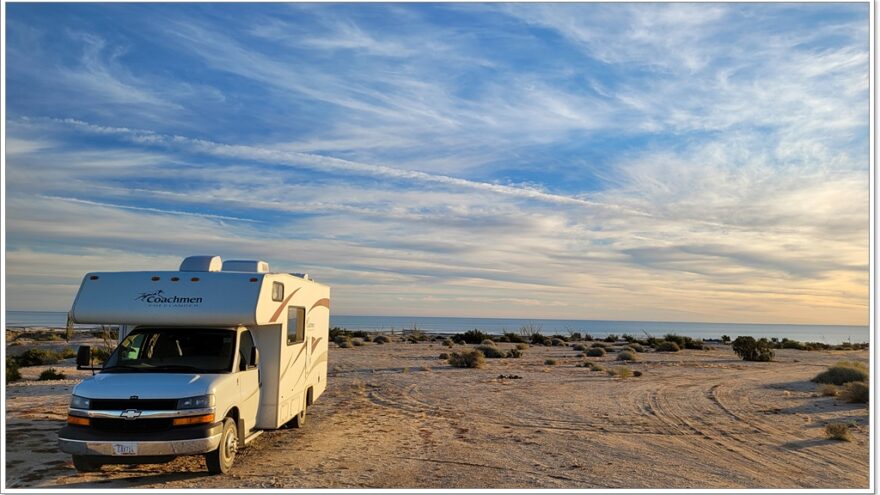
column 239, row 423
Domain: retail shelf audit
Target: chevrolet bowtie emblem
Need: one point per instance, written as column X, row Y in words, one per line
column 130, row 413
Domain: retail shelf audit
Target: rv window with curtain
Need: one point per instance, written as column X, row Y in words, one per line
column 277, row 291
column 296, row 325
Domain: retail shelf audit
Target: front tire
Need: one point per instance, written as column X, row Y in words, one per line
column 85, row 464
column 220, row 461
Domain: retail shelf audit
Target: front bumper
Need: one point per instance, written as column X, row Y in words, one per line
column 80, row 440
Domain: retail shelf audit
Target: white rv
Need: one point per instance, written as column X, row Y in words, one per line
column 208, row 357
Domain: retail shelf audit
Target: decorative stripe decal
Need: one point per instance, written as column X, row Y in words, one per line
column 315, row 343
column 321, row 359
column 293, row 362
column 321, row 302
column 281, row 306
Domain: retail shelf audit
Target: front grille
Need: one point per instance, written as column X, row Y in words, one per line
column 135, row 425
column 139, row 404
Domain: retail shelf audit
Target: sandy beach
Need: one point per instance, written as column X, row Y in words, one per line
column 395, row 415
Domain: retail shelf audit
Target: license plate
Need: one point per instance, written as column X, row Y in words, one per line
column 127, row 448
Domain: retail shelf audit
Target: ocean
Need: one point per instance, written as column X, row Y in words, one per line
column 829, row 334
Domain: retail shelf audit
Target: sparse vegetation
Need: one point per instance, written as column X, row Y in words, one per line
column 37, row 357
column 556, row 342
column 666, row 346
column 828, row 390
column 595, row 352
column 856, row 392
column 488, row 342
column 843, row 372
column 599, row 345
column 597, row 367
column 448, row 342
column 337, row 332
column 750, row 349
column 12, row 370
column 491, row 352
column 51, row 374
column 444, row 356
column 381, row 339
column 467, row 359
column 626, row 356
column 579, row 347
column 522, row 346
column 550, row 362
column 620, row 371
column 611, row 338
column 538, row 339
column 514, row 353
column 837, row 431
column 357, row 342
column 344, row 343
column 637, row 373
column 471, row 337
column 514, row 338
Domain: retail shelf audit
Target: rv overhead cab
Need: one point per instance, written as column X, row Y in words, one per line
column 208, row 357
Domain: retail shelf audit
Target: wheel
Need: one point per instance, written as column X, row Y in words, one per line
column 299, row 421
column 220, row 461
column 86, row 464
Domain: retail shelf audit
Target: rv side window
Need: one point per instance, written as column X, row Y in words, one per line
column 296, row 325
column 277, row 291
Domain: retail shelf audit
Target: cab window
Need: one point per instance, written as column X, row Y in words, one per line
column 245, row 347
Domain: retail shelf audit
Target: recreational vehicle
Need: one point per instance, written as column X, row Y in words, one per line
column 208, row 357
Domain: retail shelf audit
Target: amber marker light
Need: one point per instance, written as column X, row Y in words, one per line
column 77, row 420
column 193, row 420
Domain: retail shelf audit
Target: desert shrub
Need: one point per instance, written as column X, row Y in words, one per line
column 467, row 359
column 696, row 344
column 725, row 339
column 51, row 374
column 448, row 342
column 340, row 338
column 550, row 362
column 621, row 371
column 843, row 372
column 673, row 337
column 514, row 338
column 595, row 352
column 514, row 353
column 597, row 367
column 556, row 342
column 471, row 337
column 415, row 336
column 12, row 372
column 68, row 352
column 587, row 337
column 585, row 364
column 522, row 346
column 637, row 373
column 599, row 344
column 574, row 336
column 381, row 339
column 344, row 343
column 37, row 357
column 101, row 353
column 626, row 356
column 487, row 342
column 538, row 339
column 750, row 349
column 342, row 332
column 791, row 344
column 357, row 342
column 491, row 352
column 579, row 347
column 444, row 356
column 856, row 392
column 611, row 338
column 666, row 346
column 837, row 431
column 828, row 390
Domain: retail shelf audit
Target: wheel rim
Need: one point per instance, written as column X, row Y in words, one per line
column 230, row 446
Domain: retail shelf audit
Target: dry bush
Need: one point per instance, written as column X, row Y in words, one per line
column 595, row 352
column 597, row 367
column 843, row 372
column 51, row 374
column 448, row 342
column 856, row 392
column 637, row 373
column 381, row 339
column 357, row 342
column 345, row 343
column 487, row 342
column 444, row 356
column 514, row 353
column 550, row 362
column 579, row 347
column 626, row 356
column 621, row 371
column 837, row 431
column 467, row 359
column 668, row 347
column 522, row 346
column 828, row 390
column 491, row 352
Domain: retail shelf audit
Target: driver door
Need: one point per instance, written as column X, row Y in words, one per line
column 248, row 381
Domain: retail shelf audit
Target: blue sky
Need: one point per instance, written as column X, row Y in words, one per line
column 688, row 162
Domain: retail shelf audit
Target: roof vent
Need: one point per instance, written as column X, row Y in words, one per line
column 201, row 264
column 251, row 266
column 304, row 276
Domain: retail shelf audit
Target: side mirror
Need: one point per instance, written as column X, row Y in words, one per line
column 255, row 357
column 84, row 356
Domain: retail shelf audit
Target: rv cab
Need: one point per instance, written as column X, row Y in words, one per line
column 208, row 357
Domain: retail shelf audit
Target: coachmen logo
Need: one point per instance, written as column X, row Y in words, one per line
column 158, row 297
column 130, row 414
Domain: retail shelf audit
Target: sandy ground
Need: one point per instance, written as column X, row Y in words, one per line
column 394, row 415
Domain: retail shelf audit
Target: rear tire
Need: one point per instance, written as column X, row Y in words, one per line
column 220, row 461
column 299, row 421
column 86, row 464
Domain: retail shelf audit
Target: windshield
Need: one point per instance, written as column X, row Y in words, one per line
column 169, row 350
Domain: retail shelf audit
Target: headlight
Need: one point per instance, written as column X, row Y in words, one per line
column 77, row 402
column 199, row 402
